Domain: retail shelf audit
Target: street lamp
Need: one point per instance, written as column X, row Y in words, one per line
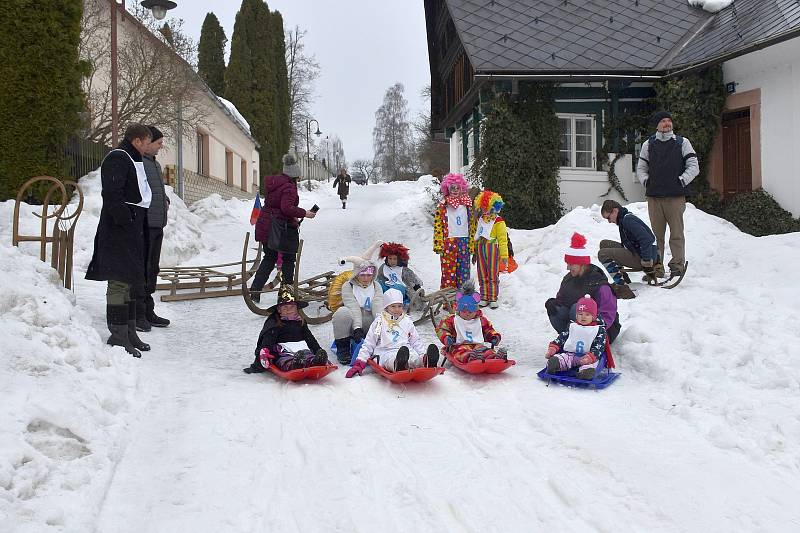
column 308, row 148
column 159, row 9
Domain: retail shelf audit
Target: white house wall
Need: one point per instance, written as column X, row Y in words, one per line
column 582, row 188
column 776, row 71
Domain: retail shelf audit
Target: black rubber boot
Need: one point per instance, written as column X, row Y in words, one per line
column 401, row 360
column 155, row 320
column 141, row 320
column 432, row 356
column 343, row 351
column 117, row 320
column 134, row 338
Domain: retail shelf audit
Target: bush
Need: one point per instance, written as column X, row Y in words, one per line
column 757, row 213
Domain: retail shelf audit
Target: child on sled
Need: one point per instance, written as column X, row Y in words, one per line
column 465, row 335
column 581, row 345
column 285, row 340
column 393, row 340
column 395, row 273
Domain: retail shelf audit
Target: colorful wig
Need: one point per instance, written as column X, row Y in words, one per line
column 453, row 179
column 488, row 201
column 395, row 248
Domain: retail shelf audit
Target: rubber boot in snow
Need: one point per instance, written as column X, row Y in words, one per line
column 117, row 320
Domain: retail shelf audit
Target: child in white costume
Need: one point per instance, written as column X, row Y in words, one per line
column 393, row 340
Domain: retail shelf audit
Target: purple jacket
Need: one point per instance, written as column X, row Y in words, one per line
column 606, row 305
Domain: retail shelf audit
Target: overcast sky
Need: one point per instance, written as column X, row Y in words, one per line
column 363, row 47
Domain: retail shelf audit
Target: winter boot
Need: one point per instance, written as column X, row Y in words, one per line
column 142, row 323
column 483, row 303
column 344, row 205
column 134, row 338
column 502, row 353
column 622, row 291
column 343, row 350
column 616, row 273
column 401, row 360
column 553, row 365
column 154, row 319
column 320, row 359
column 586, row 373
column 432, row 356
column 255, row 296
column 255, row 367
column 658, row 270
column 298, row 361
column 117, row 319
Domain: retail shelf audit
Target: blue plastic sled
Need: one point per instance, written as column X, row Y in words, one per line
column 603, row 377
column 355, row 347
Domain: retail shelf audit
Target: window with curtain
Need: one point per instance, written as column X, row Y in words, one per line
column 578, row 141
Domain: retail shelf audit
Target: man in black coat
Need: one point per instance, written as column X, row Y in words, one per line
column 638, row 249
column 154, row 235
column 119, row 254
column 342, row 186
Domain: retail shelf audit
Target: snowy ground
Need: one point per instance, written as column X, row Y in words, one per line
column 701, row 433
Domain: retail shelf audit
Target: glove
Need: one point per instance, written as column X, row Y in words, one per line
column 494, row 341
column 357, row 368
column 358, row 335
column 551, row 305
column 416, row 288
column 551, row 350
column 503, row 265
column 264, row 356
column 449, row 341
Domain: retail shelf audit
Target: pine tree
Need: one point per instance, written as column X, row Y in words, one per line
column 211, row 54
column 250, row 80
column 283, row 126
column 40, row 91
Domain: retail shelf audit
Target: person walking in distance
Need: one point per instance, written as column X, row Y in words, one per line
column 667, row 165
column 342, row 185
column 154, row 234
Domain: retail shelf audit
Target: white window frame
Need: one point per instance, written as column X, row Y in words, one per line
column 573, row 144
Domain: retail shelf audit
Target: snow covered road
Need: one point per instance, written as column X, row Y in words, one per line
column 700, row 433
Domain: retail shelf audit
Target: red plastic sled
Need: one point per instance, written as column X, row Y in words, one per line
column 311, row 372
column 487, row 366
column 404, row 376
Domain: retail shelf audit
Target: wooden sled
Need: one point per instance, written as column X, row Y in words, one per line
column 313, row 290
column 404, row 376
column 428, row 306
column 312, row 372
column 477, row 366
column 208, row 281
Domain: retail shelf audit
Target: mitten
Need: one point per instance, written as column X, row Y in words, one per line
column 264, row 356
column 358, row 335
column 449, row 341
column 494, row 341
column 503, row 265
column 416, row 288
column 551, row 350
column 551, row 305
column 357, row 368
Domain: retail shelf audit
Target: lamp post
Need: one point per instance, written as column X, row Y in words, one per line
column 159, row 9
column 308, row 148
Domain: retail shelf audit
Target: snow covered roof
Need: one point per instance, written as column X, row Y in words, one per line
column 235, row 112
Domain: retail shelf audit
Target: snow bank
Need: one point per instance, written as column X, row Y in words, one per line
column 712, row 6
column 65, row 399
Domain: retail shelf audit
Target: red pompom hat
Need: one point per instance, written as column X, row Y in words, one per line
column 394, row 248
column 577, row 254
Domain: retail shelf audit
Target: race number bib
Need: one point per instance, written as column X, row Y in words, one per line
column 468, row 331
column 457, row 222
column 294, row 347
column 484, row 228
column 394, row 275
column 364, row 296
column 580, row 338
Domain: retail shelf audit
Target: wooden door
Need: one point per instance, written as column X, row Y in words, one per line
column 737, row 170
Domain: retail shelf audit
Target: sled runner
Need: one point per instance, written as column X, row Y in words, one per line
column 669, row 283
column 404, row 376
column 427, row 306
column 603, row 376
column 312, row 372
column 478, row 366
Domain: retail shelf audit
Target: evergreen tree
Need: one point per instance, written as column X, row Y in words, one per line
column 519, row 156
column 283, row 126
column 40, row 91
column 211, row 54
column 250, row 80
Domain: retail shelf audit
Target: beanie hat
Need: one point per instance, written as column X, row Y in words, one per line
column 658, row 116
column 467, row 299
column 453, row 179
column 290, row 166
column 392, row 296
column 155, row 134
column 489, row 201
column 586, row 305
column 365, row 268
column 577, row 254
column 394, row 248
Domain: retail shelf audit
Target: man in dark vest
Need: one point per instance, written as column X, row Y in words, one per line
column 667, row 164
column 154, row 236
column 118, row 256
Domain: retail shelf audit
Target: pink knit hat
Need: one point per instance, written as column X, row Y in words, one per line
column 587, row 305
column 577, row 254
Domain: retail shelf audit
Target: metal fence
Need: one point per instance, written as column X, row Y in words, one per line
column 83, row 156
column 313, row 169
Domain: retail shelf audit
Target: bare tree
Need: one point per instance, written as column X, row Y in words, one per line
column 367, row 168
column 391, row 136
column 303, row 71
column 156, row 73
